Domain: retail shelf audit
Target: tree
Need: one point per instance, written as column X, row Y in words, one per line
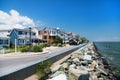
column 58, row 40
column 84, row 39
column 72, row 42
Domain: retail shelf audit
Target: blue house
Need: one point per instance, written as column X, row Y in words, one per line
column 22, row 37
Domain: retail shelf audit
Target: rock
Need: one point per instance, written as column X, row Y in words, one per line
column 72, row 66
column 74, row 56
column 93, row 77
column 103, row 71
column 84, row 63
column 59, row 77
column 57, row 73
column 55, row 68
column 84, row 77
column 69, row 62
column 76, row 60
column 100, row 78
column 74, row 74
column 64, row 65
column 77, row 72
column 80, row 56
column 87, row 57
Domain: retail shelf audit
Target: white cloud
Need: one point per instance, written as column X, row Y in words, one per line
column 14, row 20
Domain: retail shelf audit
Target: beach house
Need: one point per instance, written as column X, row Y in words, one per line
column 48, row 35
column 4, row 38
column 22, row 36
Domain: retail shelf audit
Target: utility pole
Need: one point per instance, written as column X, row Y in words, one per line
column 30, row 35
column 15, row 45
column 64, row 38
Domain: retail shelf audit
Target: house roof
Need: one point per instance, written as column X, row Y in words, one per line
column 25, row 30
column 4, row 33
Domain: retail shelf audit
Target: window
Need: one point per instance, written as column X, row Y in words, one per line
column 52, row 32
column 40, row 32
column 1, row 41
column 25, row 33
column 45, row 37
column 33, row 33
column 45, row 31
column 21, row 41
column 9, row 31
column 20, row 32
column 5, row 41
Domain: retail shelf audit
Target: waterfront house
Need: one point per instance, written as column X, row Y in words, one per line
column 22, row 37
column 66, row 36
column 4, row 38
column 48, row 34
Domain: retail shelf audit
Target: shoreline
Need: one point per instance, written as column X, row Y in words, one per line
column 108, row 65
column 94, row 66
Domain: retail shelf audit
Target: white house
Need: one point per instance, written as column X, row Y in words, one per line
column 4, row 38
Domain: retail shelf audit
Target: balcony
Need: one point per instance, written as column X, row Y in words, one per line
column 27, row 36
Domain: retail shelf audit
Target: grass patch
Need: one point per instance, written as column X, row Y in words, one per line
column 43, row 70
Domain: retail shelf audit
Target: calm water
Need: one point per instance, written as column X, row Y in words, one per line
column 110, row 50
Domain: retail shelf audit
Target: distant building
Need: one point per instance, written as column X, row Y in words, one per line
column 66, row 36
column 4, row 38
column 23, row 37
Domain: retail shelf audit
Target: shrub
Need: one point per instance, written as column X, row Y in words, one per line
column 6, row 47
column 43, row 45
column 25, row 49
column 11, row 45
column 60, row 45
column 43, row 68
column 32, row 48
column 37, row 49
column 58, row 41
column 54, row 44
column 84, row 39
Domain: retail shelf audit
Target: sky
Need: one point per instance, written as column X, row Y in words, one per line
column 98, row 20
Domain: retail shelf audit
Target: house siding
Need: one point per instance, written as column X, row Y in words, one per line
column 14, row 36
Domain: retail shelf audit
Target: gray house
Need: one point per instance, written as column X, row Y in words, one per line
column 22, row 36
column 4, row 38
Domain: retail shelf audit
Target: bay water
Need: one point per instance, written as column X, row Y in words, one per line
column 111, row 52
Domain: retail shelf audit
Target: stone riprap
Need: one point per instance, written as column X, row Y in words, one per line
column 83, row 64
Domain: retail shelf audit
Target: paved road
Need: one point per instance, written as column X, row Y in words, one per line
column 10, row 64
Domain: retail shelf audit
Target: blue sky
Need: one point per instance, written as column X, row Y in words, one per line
column 98, row 20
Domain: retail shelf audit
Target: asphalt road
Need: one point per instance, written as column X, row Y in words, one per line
column 10, row 64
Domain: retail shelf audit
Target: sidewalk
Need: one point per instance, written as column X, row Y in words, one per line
column 15, row 54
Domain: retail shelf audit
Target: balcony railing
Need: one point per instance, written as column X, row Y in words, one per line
column 27, row 36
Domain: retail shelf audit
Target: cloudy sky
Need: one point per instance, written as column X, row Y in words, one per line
column 14, row 20
column 98, row 20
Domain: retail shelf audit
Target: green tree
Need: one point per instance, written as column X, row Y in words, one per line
column 84, row 39
column 58, row 40
column 11, row 45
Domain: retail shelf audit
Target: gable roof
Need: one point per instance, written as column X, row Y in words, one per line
column 4, row 35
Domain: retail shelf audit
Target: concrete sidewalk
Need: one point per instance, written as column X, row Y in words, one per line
column 16, row 54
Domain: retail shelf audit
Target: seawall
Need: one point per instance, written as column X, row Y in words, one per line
column 83, row 64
